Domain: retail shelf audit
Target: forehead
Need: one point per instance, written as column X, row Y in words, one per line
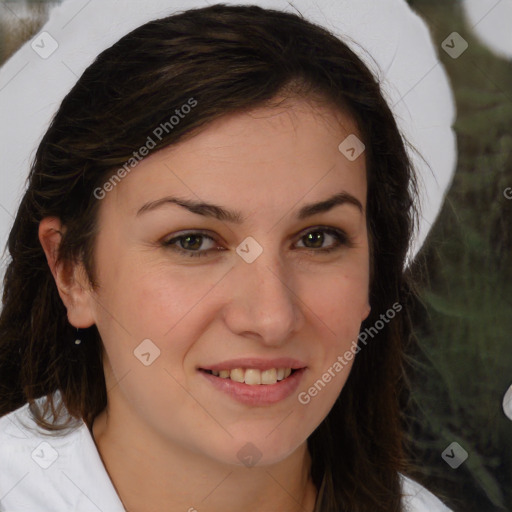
column 269, row 155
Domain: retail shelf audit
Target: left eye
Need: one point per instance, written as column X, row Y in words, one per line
column 189, row 243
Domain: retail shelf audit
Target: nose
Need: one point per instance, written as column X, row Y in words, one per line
column 263, row 303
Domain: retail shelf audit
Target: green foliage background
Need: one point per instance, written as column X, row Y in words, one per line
column 464, row 319
column 464, row 316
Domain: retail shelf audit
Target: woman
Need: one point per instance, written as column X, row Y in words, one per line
column 266, row 373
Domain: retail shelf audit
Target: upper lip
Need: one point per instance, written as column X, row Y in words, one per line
column 257, row 363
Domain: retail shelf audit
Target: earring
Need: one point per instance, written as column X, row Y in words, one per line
column 77, row 338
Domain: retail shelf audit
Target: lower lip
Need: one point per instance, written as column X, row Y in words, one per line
column 259, row 394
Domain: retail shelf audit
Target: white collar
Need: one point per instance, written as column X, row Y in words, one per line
column 63, row 473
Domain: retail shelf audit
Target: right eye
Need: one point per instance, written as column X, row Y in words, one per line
column 188, row 244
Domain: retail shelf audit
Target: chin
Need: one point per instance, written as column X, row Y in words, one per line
column 260, row 449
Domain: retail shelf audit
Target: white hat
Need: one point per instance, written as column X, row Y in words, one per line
column 491, row 23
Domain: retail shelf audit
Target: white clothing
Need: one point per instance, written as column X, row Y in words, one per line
column 65, row 473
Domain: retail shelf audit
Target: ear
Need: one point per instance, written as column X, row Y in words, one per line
column 71, row 279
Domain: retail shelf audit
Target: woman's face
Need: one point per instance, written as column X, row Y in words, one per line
column 261, row 291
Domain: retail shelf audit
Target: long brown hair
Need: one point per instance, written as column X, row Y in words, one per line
column 228, row 59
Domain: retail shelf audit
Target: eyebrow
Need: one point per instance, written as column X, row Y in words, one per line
column 223, row 214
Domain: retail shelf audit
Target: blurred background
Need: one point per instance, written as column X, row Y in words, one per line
column 463, row 317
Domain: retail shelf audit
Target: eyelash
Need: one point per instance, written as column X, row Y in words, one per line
column 340, row 236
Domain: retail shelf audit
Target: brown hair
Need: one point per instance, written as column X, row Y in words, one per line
column 229, row 59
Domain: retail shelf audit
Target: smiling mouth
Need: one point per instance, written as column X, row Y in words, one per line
column 253, row 376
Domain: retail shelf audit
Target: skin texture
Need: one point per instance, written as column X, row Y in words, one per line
column 168, row 438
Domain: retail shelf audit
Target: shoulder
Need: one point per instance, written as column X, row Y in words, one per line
column 417, row 498
column 41, row 470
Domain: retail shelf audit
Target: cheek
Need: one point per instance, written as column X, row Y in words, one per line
column 144, row 298
column 166, row 298
column 340, row 299
column 338, row 305
column 157, row 303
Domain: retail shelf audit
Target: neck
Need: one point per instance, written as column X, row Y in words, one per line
column 154, row 475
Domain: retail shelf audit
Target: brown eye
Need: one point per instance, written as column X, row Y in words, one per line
column 315, row 239
column 189, row 244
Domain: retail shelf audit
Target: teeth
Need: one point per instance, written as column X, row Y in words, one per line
column 269, row 376
column 237, row 374
column 254, row 377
